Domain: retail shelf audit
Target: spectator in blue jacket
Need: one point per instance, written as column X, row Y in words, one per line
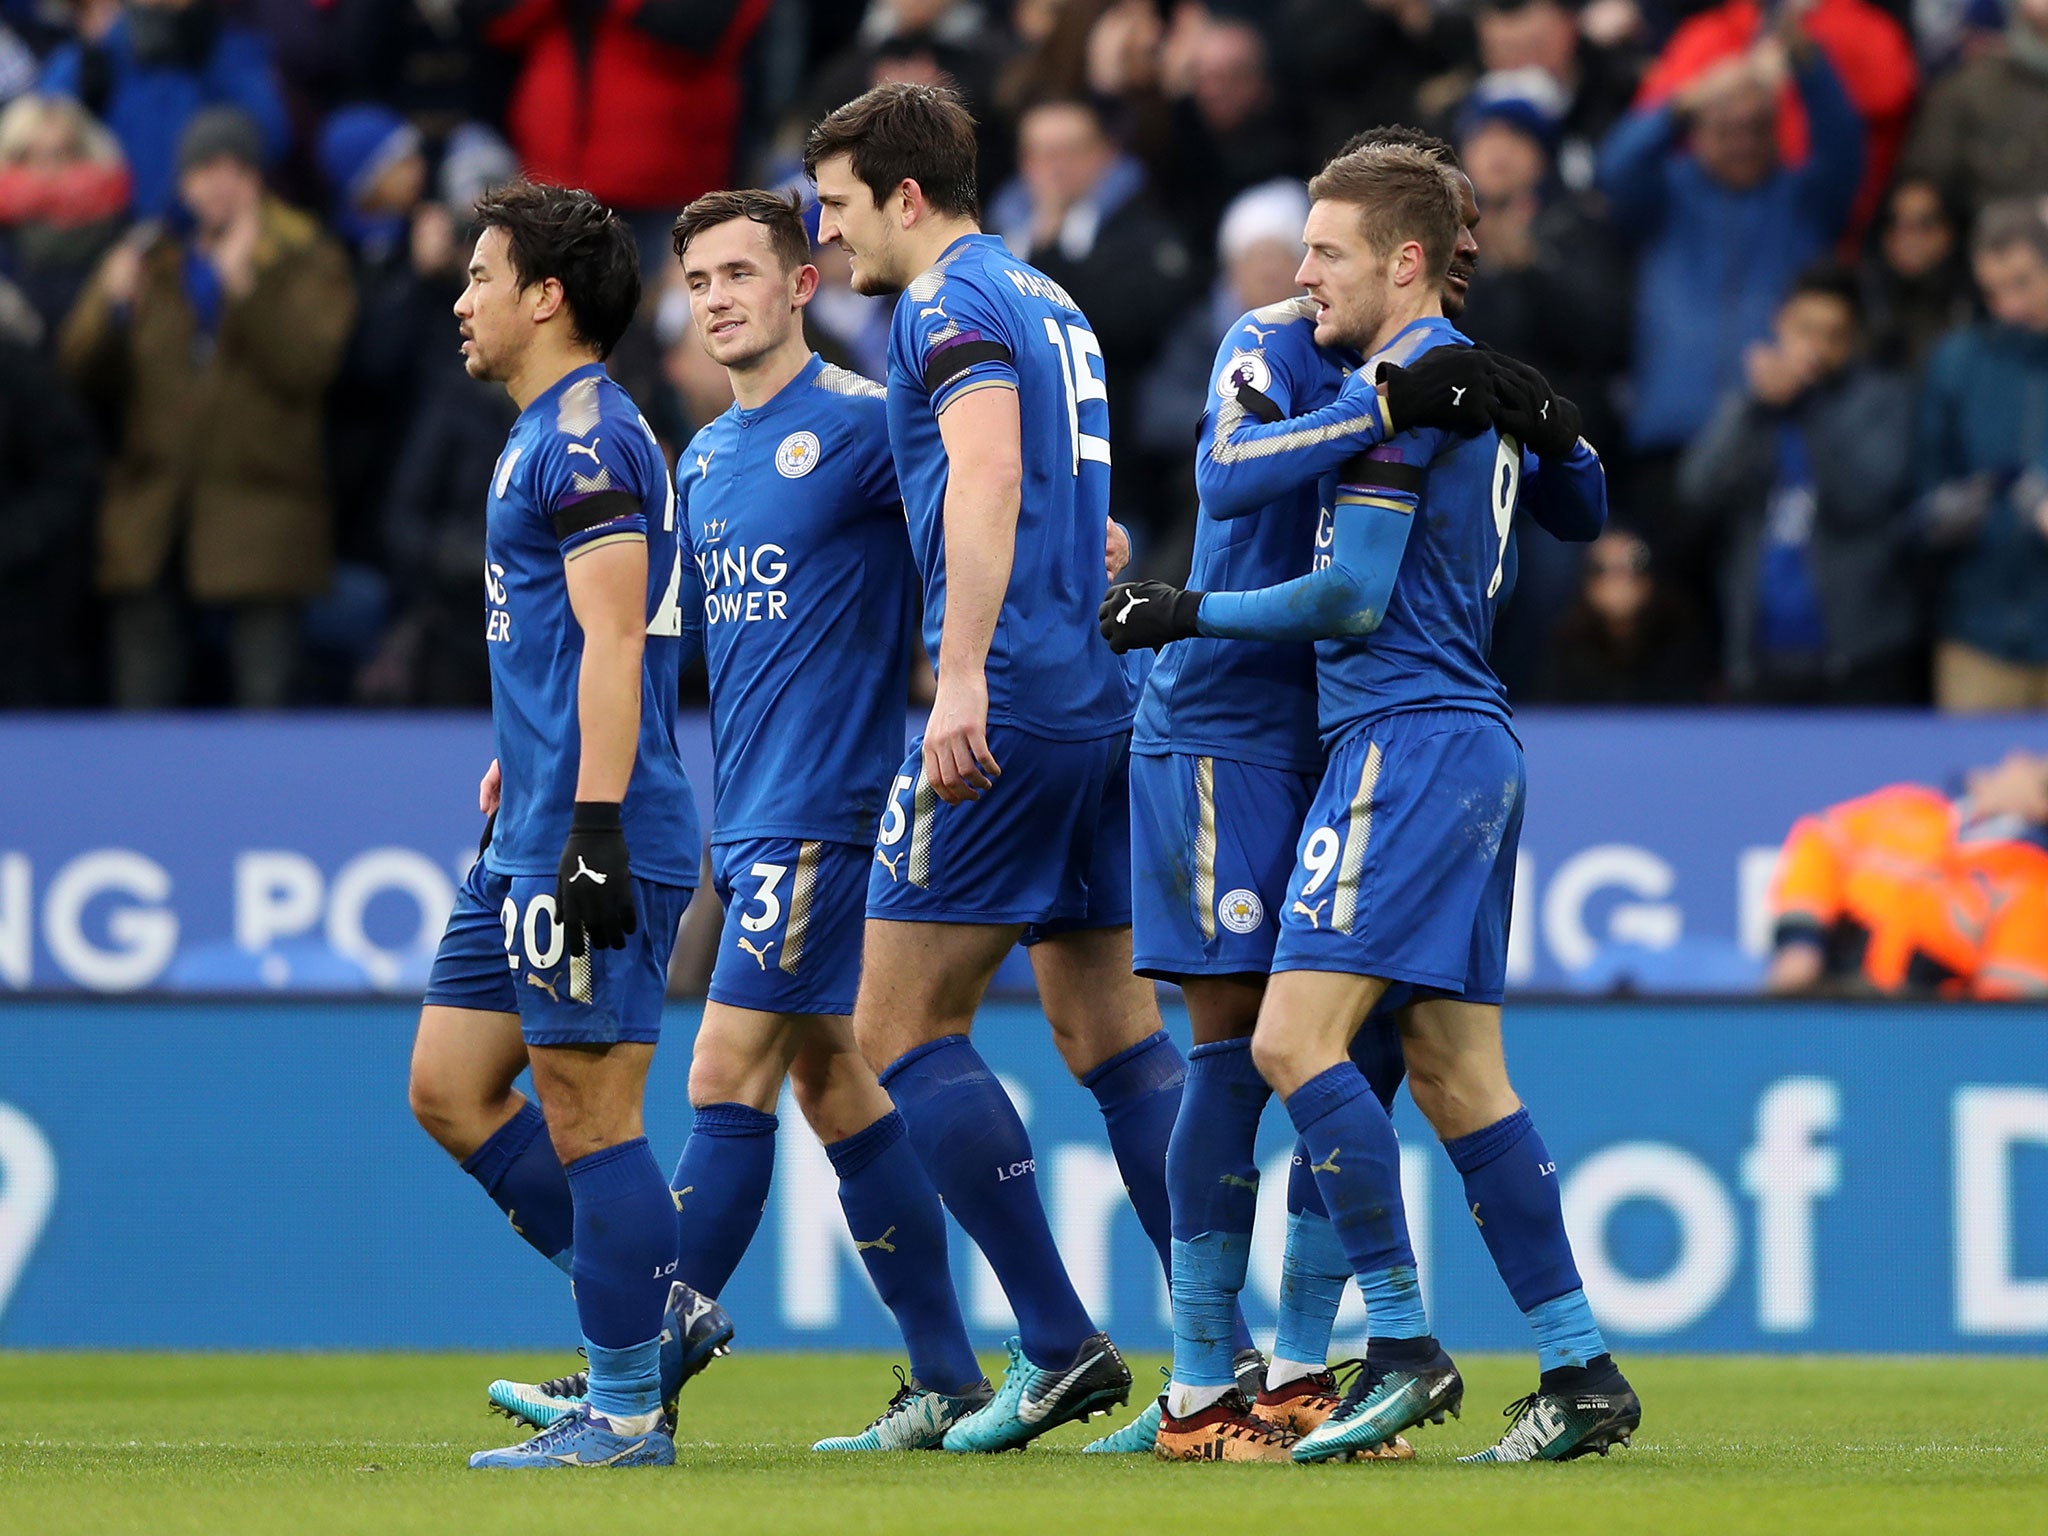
column 144, row 67
column 1721, row 225
column 1983, row 445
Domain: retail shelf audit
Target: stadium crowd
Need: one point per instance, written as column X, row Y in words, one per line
column 1792, row 262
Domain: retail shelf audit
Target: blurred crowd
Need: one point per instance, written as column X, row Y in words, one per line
column 1791, row 261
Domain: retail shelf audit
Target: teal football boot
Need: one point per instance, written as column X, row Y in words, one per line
column 1382, row 1402
column 1031, row 1400
column 915, row 1420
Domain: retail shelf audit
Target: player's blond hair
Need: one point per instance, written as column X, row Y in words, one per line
column 1401, row 193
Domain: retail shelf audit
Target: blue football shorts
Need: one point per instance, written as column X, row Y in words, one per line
column 503, row 952
column 794, row 915
column 1048, row 845
column 1405, row 868
column 1212, row 847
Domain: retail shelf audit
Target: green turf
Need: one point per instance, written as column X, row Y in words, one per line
column 225, row 1444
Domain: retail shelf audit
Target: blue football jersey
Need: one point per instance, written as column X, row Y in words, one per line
column 580, row 466
column 1432, row 647
column 1250, row 701
column 795, row 531
column 981, row 319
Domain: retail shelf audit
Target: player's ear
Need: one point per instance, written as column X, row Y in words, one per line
column 1411, row 263
column 806, row 285
column 910, row 202
column 547, row 299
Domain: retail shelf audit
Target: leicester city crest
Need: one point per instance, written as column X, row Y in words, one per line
column 1241, row 911
column 798, row 455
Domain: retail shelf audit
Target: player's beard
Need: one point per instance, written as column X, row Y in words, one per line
column 1358, row 332
column 875, row 273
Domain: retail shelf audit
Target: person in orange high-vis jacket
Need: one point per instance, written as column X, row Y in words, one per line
column 1906, row 890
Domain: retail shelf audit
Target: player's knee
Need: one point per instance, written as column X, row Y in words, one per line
column 1277, row 1055
column 1456, row 1100
column 714, row 1078
column 442, row 1112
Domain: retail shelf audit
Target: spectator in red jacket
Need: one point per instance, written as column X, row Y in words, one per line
column 1869, row 50
column 635, row 100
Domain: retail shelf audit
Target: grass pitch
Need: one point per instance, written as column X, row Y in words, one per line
column 227, row 1444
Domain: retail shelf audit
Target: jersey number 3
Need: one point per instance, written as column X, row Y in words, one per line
column 1075, row 347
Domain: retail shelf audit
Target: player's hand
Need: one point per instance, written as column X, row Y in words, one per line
column 957, row 761
column 1144, row 615
column 1447, row 387
column 490, row 789
column 1116, row 549
column 594, row 883
column 1530, row 411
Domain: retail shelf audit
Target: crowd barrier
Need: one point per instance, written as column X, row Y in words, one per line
column 228, row 1174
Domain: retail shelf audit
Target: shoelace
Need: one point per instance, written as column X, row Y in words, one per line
column 1358, row 1379
column 573, row 1385
column 560, row 1430
column 1525, row 1434
column 905, row 1393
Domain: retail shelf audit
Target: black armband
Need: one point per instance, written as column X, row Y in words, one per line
column 948, row 363
column 594, row 511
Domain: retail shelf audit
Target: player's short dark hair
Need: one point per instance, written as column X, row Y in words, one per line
column 1412, row 138
column 568, row 235
column 780, row 213
column 1401, row 193
column 1831, row 279
column 2012, row 221
column 902, row 132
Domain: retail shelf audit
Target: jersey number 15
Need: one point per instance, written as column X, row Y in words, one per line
column 1075, row 347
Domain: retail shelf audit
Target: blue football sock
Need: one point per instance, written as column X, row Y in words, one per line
column 1511, row 1190
column 1313, row 1274
column 1139, row 1093
column 625, row 1261
column 518, row 1169
column 1213, row 1179
column 1304, row 1197
column 624, row 1381
column 720, row 1189
column 975, row 1151
column 894, row 1215
column 1356, row 1160
column 1566, row 1334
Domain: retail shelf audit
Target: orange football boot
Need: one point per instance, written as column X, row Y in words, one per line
column 1227, row 1430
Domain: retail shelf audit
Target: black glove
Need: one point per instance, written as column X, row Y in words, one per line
column 1448, row 387
column 1530, row 411
column 594, row 885
column 1144, row 615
